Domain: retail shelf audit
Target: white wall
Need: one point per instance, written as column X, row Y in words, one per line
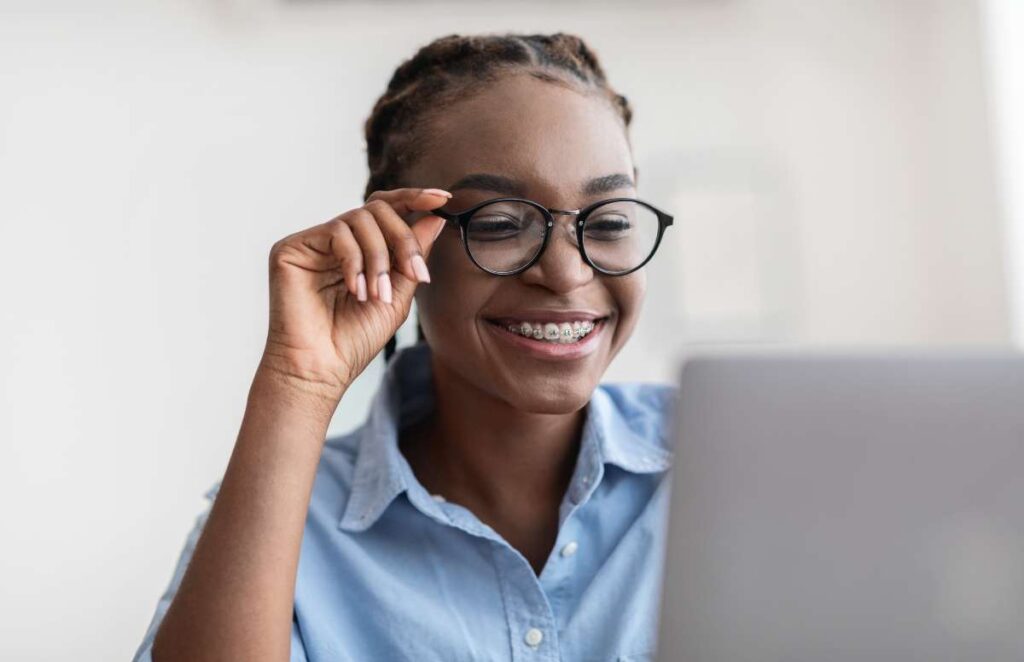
column 828, row 163
column 1003, row 23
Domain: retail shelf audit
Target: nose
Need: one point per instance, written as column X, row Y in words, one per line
column 561, row 267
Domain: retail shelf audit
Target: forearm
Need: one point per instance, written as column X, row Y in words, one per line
column 236, row 598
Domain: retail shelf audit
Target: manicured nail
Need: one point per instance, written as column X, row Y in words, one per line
column 419, row 267
column 440, row 227
column 361, row 287
column 436, row 191
column 384, row 288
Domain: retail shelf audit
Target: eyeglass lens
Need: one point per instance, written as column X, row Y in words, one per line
column 617, row 237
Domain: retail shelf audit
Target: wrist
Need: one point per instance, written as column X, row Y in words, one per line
column 287, row 388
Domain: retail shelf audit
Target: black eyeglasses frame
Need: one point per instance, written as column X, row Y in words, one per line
column 463, row 217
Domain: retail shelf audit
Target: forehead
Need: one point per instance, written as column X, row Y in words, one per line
column 551, row 138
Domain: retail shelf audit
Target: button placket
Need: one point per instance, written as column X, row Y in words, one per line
column 531, row 619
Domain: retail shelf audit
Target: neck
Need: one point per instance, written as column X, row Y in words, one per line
column 483, row 453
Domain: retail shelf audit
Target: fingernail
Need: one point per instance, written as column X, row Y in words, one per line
column 440, row 227
column 361, row 287
column 420, row 268
column 384, row 288
column 436, row 191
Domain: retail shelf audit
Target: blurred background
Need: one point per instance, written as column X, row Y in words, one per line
column 842, row 173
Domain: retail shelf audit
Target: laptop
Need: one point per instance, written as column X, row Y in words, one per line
column 846, row 507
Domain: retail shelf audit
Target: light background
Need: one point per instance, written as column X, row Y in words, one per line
column 842, row 173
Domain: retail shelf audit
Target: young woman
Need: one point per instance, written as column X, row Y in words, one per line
column 498, row 503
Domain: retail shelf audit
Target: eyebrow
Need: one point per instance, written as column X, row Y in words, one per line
column 607, row 183
column 485, row 182
column 511, row 187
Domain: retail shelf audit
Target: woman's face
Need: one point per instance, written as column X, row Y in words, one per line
column 550, row 143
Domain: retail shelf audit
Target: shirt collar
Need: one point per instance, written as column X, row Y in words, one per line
column 381, row 471
column 630, row 424
column 616, row 431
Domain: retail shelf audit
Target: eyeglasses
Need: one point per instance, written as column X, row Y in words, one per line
column 507, row 236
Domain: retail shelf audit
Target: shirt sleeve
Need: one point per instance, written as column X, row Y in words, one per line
column 145, row 651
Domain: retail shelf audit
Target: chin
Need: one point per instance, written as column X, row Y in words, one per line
column 539, row 389
column 557, row 400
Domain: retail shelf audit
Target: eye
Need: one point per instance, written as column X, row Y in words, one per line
column 494, row 227
column 607, row 227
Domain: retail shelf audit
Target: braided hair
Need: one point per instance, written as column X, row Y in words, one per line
column 444, row 71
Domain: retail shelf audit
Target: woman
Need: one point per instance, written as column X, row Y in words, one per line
column 498, row 503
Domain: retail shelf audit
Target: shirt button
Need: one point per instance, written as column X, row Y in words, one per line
column 533, row 637
column 570, row 548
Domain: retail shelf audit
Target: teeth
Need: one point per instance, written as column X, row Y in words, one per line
column 563, row 333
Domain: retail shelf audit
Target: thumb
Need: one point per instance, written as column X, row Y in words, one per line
column 426, row 230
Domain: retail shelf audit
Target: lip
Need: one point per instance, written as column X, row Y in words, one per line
column 550, row 351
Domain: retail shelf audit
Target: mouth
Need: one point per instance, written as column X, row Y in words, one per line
column 550, row 337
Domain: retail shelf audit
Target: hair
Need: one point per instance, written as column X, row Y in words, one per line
column 447, row 70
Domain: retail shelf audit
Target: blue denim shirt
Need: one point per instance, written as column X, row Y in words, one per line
column 389, row 572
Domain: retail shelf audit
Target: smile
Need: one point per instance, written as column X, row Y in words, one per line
column 549, row 339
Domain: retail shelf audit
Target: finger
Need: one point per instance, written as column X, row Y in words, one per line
column 407, row 200
column 427, row 230
column 343, row 245
column 376, row 261
column 403, row 244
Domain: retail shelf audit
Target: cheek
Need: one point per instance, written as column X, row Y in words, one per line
column 629, row 293
column 447, row 258
column 456, row 293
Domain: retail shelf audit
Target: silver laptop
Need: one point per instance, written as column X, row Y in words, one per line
column 835, row 508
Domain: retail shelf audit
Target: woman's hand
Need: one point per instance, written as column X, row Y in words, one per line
column 340, row 290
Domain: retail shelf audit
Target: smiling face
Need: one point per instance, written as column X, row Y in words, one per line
column 563, row 149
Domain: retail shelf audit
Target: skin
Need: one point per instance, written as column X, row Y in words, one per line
column 337, row 296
